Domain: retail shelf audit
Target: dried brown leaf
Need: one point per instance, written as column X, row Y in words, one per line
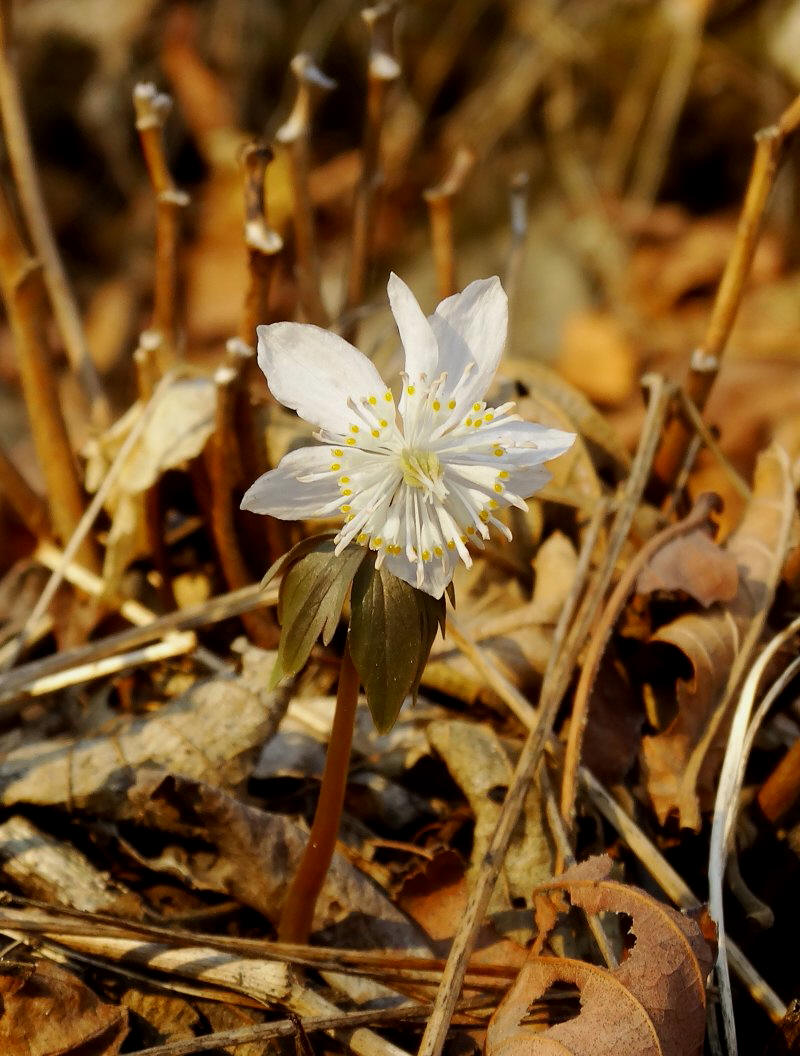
column 653, row 1004
column 681, row 762
column 47, row 1011
column 695, row 564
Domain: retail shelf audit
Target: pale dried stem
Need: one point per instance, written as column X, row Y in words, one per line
column 262, row 243
column 23, row 293
column 26, row 179
column 23, row 500
column 224, row 474
column 294, row 135
column 152, row 108
column 739, row 484
column 706, row 504
column 673, row 88
column 706, row 360
column 553, row 689
column 382, row 71
column 440, row 213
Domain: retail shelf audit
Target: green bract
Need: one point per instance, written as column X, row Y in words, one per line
column 392, row 624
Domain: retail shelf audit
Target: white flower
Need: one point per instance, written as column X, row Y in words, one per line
column 415, row 482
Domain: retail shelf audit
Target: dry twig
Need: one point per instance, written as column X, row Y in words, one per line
column 20, row 152
column 440, row 213
column 262, row 243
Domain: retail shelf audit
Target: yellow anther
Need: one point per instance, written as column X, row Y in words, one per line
column 335, row 466
column 344, row 480
column 353, row 428
column 388, row 397
column 467, row 421
column 451, row 544
column 372, row 400
column 436, row 405
column 426, row 555
column 503, row 474
column 463, row 538
column 470, row 529
column 362, row 538
column 478, row 422
column 498, row 488
column 337, row 452
column 489, row 416
column 438, row 551
column 484, row 515
column 411, row 390
column 452, row 404
column 493, row 504
column 499, row 452
column 383, row 423
column 376, row 432
column 376, row 540
column 347, row 491
column 476, row 406
column 346, row 508
column 351, row 440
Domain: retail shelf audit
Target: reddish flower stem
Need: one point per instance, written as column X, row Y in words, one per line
column 298, row 910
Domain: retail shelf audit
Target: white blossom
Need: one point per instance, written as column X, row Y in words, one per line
column 420, row 480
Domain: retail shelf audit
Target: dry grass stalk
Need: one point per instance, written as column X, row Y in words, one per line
column 553, row 688
column 224, row 475
column 23, row 500
column 26, row 179
column 706, row 360
column 262, row 243
column 152, row 108
column 382, row 71
column 440, row 213
column 294, row 135
column 23, row 293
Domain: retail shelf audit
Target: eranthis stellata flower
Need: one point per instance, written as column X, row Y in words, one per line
column 416, row 480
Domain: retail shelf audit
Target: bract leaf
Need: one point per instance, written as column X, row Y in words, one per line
column 311, row 597
column 305, row 546
column 392, row 627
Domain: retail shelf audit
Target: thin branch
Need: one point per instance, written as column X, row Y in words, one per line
column 223, row 459
column 294, row 135
column 706, row 360
column 23, row 500
column 152, row 108
column 23, row 165
column 262, row 243
column 440, row 213
column 382, row 71
column 23, row 293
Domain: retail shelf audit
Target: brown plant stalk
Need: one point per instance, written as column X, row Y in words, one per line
column 294, row 136
column 382, row 71
column 262, row 243
column 23, row 293
column 440, row 214
column 152, row 108
column 23, row 500
column 298, row 910
column 26, row 179
column 707, row 358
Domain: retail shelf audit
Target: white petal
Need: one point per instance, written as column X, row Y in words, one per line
column 280, row 494
column 530, row 443
column 419, row 343
column 314, row 372
column 527, row 480
column 435, row 579
column 471, row 327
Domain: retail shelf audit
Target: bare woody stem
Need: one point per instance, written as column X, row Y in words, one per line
column 383, row 69
column 440, row 212
column 706, row 359
column 23, row 293
column 23, row 166
column 22, row 499
column 262, row 243
column 298, row 910
column 224, row 472
column 152, row 108
column 294, row 136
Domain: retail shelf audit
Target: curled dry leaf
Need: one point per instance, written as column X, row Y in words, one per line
column 695, row 564
column 47, row 1011
column 653, row 1004
column 681, row 763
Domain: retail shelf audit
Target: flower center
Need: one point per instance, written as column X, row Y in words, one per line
column 422, row 469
